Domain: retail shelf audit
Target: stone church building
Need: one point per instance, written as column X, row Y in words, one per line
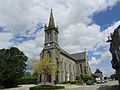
column 68, row 65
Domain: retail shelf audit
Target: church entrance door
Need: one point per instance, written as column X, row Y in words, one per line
column 48, row 78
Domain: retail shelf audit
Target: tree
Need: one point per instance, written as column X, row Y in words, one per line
column 12, row 66
column 113, row 76
column 27, row 74
column 87, row 77
column 45, row 66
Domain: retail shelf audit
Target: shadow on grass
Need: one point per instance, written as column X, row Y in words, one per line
column 115, row 87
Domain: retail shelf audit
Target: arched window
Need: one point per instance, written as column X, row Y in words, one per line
column 49, row 36
column 49, row 54
column 81, row 68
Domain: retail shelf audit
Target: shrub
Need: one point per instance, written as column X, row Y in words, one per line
column 77, row 77
column 77, row 82
column 68, row 81
column 46, row 87
column 73, row 82
column 87, row 77
column 1, row 87
column 65, row 82
column 28, row 80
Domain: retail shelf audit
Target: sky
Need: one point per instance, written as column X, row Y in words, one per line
column 83, row 25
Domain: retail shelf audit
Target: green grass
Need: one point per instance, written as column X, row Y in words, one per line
column 46, row 87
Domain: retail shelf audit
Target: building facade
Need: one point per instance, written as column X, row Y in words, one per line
column 68, row 65
column 114, row 40
column 99, row 75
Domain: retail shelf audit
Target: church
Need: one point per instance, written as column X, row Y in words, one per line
column 68, row 65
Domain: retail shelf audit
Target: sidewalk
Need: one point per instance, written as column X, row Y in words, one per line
column 21, row 87
column 26, row 87
column 70, row 86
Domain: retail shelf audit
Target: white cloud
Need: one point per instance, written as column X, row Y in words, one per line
column 73, row 18
column 107, row 71
column 5, row 38
column 94, row 61
column 19, row 15
column 33, row 47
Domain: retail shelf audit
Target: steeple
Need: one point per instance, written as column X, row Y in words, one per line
column 51, row 32
column 51, row 20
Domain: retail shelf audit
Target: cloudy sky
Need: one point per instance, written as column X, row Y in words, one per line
column 83, row 24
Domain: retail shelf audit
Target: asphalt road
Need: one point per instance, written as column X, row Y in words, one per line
column 111, row 85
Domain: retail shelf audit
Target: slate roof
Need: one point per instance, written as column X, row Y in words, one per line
column 79, row 56
column 66, row 53
column 98, row 71
column 74, row 56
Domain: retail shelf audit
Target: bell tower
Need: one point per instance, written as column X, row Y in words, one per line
column 51, row 33
column 51, row 46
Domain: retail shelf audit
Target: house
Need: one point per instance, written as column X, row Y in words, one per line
column 98, row 74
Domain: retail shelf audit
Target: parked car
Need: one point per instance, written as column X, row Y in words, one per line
column 90, row 82
column 100, row 81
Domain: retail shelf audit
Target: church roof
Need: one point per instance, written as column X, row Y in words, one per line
column 66, row 53
column 75, row 56
column 79, row 56
column 98, row 71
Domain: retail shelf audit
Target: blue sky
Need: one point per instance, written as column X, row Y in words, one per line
column 106, row 18
column 82, row 25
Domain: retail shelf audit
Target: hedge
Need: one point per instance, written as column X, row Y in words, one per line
column 27, row 80
column 1, row 87
column 77, row 82
column 46, row 87
column 64, row 82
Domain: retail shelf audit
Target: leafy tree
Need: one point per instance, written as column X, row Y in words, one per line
column 27, row 74
column 87, row 77
column 12, row 66
column 45, row 66
column 35, row 74
column 113, row 76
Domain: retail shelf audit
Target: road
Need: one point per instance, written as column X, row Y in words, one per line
column 111, row 85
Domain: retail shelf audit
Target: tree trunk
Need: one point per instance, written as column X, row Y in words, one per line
column 38, row 78
column 44, row 77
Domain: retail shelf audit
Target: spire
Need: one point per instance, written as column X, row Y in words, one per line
column 51, row 20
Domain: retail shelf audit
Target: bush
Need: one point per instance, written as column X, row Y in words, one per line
column 87, row 77
column 77, row 82
column 65, row 82
column 68, row 81
column 73, row 82
column 1, row 87
column 77, row 77
column 46, row 87
column 28, row 80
